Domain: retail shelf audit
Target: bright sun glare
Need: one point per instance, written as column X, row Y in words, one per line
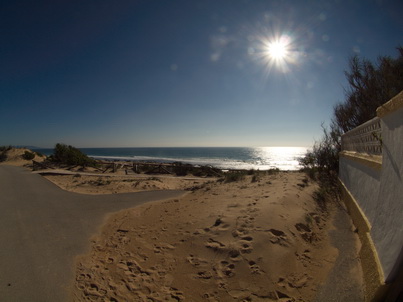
column 277, row 50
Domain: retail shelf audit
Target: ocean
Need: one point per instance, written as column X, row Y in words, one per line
column 262, row 158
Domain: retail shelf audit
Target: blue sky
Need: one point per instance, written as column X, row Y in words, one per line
column 181, row 73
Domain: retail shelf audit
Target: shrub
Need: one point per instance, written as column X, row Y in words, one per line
column 273, row 171
column 71, row 156
column 3, row 156
column 5, row 148
column 255, row 178
column 369, row 85
column 181, row 169
column 308, row 220
column 234, row 176
column 3, row 152
column 251, row 171
column 39, row 154
column 320, row 196
column 28, row 155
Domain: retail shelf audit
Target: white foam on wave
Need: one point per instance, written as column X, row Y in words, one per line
column 283, row 164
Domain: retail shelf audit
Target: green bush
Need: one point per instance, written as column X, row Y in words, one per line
column 28, row 155
column 70, row 155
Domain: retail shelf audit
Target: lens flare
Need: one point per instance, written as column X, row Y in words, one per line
column 277, row 51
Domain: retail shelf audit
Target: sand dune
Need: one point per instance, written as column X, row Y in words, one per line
column 259, row 239
column 241, row 241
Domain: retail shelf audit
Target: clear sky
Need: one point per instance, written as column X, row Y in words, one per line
column 182, row 73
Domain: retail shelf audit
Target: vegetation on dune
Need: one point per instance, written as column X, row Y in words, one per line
column 39, row 154
column 69, row 155
column 28, row 155
column 5, row 148
column 3, row 156
column 234, row 176
column 3, row 152
column 369, row 86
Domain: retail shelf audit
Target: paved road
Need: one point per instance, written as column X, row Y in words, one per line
column 43, row 228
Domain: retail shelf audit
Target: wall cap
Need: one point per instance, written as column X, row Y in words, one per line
column 372, row 161
column 392, row 105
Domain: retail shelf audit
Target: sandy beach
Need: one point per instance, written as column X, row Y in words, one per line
column 259, row 238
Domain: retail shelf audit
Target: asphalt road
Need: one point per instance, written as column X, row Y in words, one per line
column 43, row 229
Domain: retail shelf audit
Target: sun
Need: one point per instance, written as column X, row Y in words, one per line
column 277, row 50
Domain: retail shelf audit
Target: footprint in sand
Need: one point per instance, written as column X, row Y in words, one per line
column 255, row 269
column 306, row 232
column 196, row 261
column 175, row 294
column 225, row 269
column 214, row 244
column 252, row 203
column 247, row 238
column 246, row 248
column 220, row 225
column 201, row 231
column 204, row 275
column 110, row 260
column 210, row 297
column 278, row 237
column 246, row 221
column 235, row 255
column 252, row 210
column 283, row 297
column 91, row 290
column 305, row 257
column 239, row 232
column 294, row 281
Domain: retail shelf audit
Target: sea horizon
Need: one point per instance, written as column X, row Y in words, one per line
column 242, row 158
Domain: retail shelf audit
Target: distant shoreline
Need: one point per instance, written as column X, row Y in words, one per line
column 225, row 158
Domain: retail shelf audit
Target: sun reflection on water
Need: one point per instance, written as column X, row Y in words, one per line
column 284, row 158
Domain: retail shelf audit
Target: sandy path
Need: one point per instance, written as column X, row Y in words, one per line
column 243, row 241
column 42, row 230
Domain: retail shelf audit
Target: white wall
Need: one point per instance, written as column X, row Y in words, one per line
column 363, row 182
column 387, row 225
column 379, row 193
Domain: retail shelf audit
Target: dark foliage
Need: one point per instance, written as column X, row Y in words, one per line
column 5, row 148
column 369, row 86
column 3, row 152
column 3, row 156
column 234, row 176
column 28, row 155
column 39, row 154
column 70, row 155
